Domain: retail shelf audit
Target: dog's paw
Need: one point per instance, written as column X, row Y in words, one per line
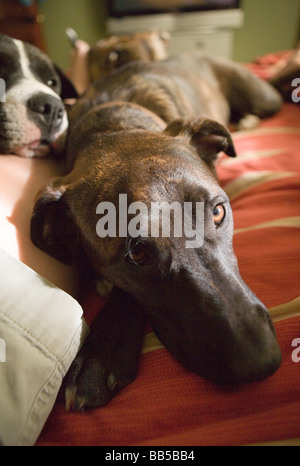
column 94, row 378
column 108, row 359
column 87, row 386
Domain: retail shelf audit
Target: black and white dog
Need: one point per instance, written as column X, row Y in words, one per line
column 33, row 118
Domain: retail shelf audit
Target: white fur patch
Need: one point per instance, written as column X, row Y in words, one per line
column 24, row 62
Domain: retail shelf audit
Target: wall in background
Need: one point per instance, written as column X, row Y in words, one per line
column 270, row 26
column 87, row 17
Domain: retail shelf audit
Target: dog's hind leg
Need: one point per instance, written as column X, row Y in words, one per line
column 245, row 92
column 108, row 359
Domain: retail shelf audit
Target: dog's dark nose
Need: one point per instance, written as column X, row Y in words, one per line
column 246, row 349
column 258, row 353
column 49, row 109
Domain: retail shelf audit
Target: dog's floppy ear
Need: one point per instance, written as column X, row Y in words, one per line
column 68, row 91
column 207, row 136
column 52, row 228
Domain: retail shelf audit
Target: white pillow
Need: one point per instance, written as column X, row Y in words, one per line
column 41, row 331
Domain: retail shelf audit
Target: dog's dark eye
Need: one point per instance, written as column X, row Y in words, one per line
column 137, row 253
column 52, row 83
column 219, row 214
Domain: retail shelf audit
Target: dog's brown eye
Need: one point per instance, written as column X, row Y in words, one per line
column 137, row 253
column 219, row 214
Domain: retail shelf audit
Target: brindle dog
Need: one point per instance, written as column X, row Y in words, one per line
column 195, row 298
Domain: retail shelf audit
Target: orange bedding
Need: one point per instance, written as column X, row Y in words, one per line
column 167, row 405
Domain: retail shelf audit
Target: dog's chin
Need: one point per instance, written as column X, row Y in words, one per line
column 40, row 148
column 36, row 148
column 39, row 142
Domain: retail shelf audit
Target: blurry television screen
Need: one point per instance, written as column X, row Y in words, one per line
column 118, row 8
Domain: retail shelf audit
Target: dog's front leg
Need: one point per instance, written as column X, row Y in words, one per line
column 108, row 359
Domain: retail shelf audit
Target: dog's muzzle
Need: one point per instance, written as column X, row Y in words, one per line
column 34, row 126
column 48, row 111
column 218, row 328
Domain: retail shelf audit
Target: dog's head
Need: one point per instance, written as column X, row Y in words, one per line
column 32, row 112
column 185, row 276
column 108, row 54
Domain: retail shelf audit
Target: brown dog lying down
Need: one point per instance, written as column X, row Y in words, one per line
column 108, row 54
column 191, row 85
column 190, row 290
column 195, row 298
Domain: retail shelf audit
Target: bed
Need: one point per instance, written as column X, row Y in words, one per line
column 169, row 406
